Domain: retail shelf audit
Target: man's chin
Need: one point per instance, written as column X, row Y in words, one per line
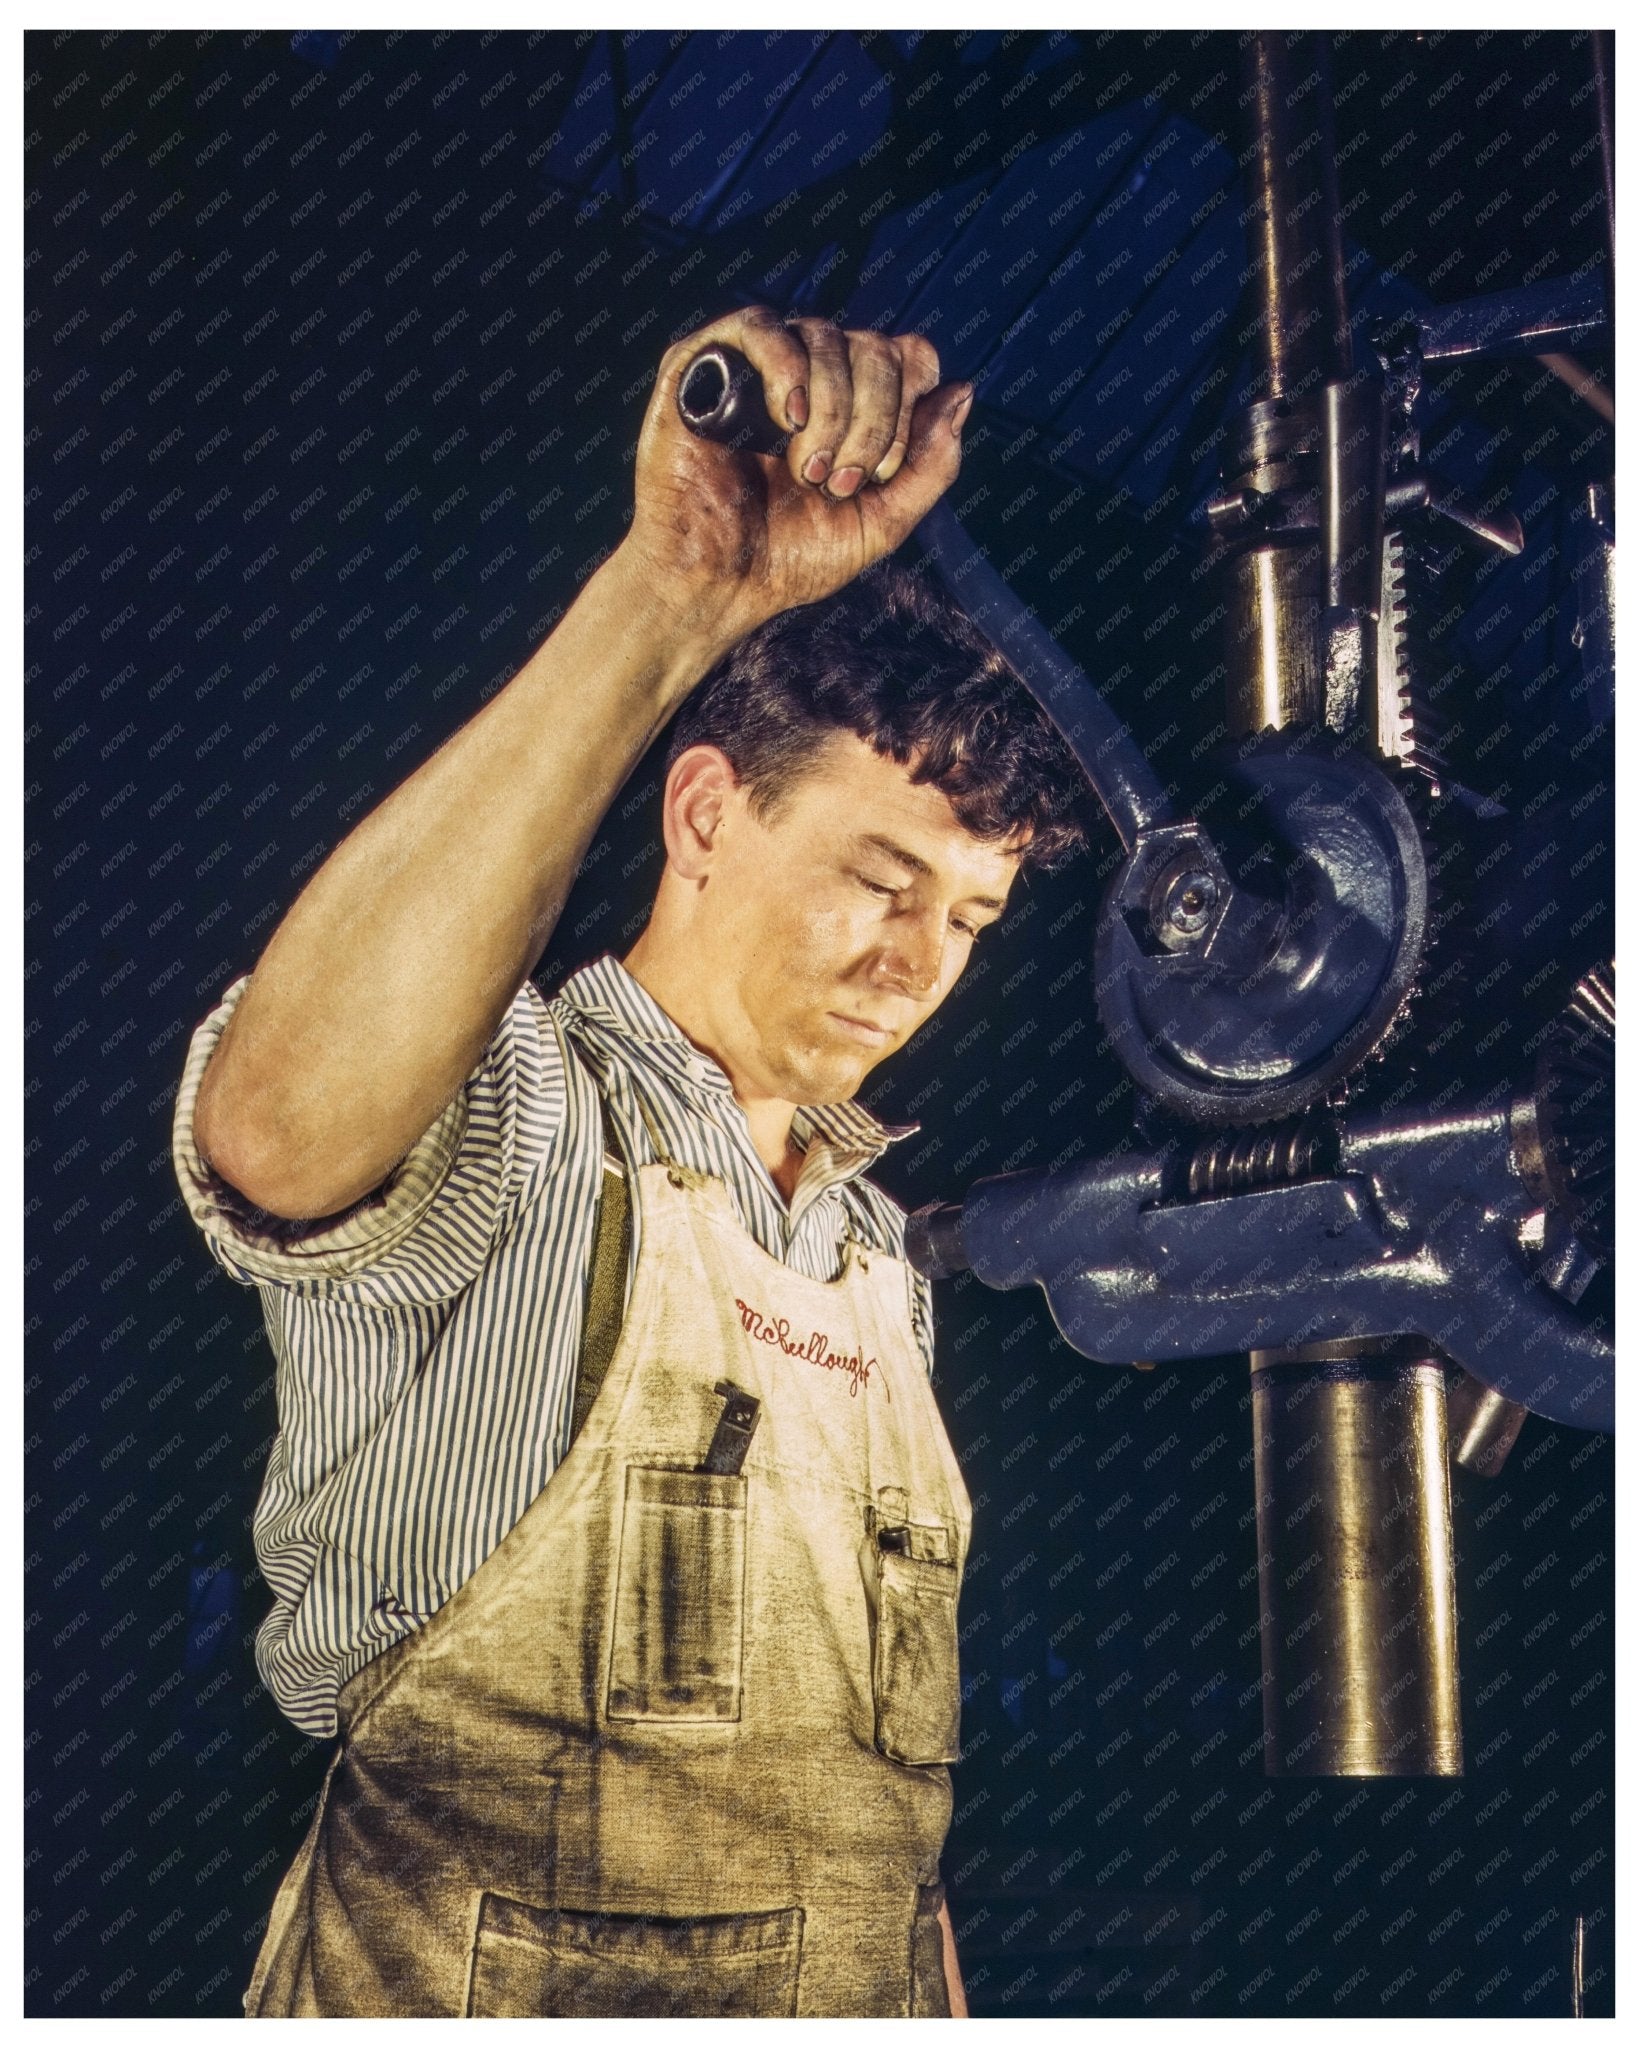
column 817, row 1076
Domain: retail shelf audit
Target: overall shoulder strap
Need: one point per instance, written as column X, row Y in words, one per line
column 606, row 1302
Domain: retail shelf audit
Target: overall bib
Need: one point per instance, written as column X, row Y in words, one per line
column 679, row 1745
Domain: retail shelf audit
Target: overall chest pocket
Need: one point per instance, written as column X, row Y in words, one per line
column 679, row 1611
column 914, row 1667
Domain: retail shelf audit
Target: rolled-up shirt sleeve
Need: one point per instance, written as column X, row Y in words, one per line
column 424, row 1233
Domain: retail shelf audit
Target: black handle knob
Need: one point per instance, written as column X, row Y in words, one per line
column 721, row 399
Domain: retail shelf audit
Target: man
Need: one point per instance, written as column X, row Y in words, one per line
column 670, row 1734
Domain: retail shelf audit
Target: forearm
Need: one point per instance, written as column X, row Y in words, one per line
column 380, row 989
column 953, row 1969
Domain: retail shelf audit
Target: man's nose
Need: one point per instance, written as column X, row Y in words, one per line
column 914, row 955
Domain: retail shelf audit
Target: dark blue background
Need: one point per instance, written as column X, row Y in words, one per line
column 336, row 347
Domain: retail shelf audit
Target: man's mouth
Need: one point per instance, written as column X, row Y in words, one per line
column 861, row 1028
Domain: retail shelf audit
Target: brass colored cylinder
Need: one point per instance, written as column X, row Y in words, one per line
column 1293, row 213
column 1483, row 1425
column 1274, row 649
column 1355, row 1573
column 1275, row 593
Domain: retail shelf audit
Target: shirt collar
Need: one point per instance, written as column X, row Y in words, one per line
column 607, row 995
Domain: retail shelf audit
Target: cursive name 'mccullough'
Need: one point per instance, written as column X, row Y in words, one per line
column 816, row 1347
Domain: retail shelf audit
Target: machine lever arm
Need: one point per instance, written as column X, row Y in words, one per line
column 720, row 398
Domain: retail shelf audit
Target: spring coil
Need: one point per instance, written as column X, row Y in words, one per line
column 1239, row 1160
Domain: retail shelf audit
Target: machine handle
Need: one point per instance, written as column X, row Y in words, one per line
column 720, row 398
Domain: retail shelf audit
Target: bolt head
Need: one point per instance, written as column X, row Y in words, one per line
column 1189, row 901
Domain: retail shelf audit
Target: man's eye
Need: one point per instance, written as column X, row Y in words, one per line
column 968, row 931
column 876, row 888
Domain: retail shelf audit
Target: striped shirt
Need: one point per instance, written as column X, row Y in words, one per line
column 425, row 1341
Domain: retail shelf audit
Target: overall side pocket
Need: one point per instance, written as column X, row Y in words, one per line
column 914, row 1674
column 679, row 1620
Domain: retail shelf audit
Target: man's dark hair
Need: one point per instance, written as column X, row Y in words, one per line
column 901, row 666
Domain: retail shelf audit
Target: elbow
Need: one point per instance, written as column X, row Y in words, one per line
column 269, row 1160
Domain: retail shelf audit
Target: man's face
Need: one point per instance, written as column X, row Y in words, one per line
column 831, row 930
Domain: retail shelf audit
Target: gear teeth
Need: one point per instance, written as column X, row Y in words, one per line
column 1431, row 1013
column 1592, row 1007
column 1416, row 1045
column 1408, row 730
column 1410, row 736
column 1393, row 664
column 1575, row 1096
column 1434, row 1011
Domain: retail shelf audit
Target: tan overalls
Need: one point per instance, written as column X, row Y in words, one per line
column 679, row 1745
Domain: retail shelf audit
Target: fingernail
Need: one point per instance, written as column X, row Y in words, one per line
column 959, row 417
column 796, row 405
column 888, row 467
column 818, row 467
column 844, row 482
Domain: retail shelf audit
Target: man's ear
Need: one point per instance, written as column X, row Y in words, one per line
column 701, row 787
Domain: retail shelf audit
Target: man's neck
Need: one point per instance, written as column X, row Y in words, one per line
column 768, row 1119
column 770, row 1126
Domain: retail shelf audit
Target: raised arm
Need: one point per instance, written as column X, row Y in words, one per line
column 380, row 989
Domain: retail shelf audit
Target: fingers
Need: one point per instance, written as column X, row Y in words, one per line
column 933, row 456
column 865, row 388
column 855, row 387
column 878, row 383
column 779, row 358
column 813, row 453
column 919, row 374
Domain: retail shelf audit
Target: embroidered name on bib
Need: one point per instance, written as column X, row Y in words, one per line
column 816, row 1347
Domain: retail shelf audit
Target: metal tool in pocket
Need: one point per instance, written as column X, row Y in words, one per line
column 732, row 1437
